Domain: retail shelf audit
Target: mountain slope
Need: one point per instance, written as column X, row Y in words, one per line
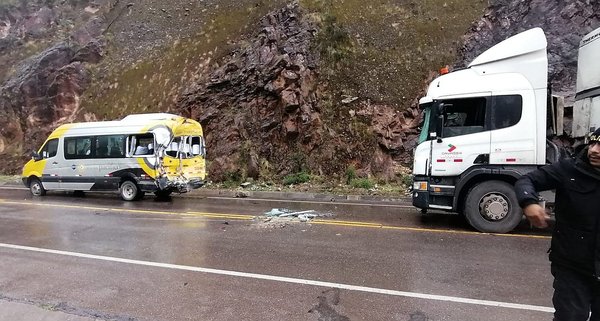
column 280, row 87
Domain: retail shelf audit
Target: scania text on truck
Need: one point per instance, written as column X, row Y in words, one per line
column 487, row 124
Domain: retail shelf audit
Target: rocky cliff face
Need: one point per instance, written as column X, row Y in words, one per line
column 316, row 85
column 564, row 22
column 63, row 61
column 265, row 91
column 267, row 102
column 46, row 88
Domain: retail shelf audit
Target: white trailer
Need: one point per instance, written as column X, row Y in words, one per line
column 486, row 125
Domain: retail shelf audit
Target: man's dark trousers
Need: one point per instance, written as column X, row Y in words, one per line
column 574, row 295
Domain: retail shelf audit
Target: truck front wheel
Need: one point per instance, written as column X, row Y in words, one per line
column 492, row 207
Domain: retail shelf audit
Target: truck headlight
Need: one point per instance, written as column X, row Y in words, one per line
column 420, row 186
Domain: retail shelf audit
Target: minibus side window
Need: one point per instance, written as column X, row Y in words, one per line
column 49, row 150
column 141, row 145
column 173, row 147
column 197, row 146
column 78, row 147
column 116, row 146
column 109, row 146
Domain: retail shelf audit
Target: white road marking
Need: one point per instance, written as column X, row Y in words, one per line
column 15, row 188
column 287, row 279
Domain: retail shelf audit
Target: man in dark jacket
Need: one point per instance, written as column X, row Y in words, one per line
column 575, row 246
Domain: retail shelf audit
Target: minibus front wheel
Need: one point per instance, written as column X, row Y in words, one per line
column 129, row 191
column 36, row 188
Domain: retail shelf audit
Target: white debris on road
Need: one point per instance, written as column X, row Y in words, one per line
column 303, row 216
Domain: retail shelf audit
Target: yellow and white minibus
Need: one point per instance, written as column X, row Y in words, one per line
column 159, row 152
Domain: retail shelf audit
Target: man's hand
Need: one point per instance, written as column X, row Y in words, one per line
column 536, row 215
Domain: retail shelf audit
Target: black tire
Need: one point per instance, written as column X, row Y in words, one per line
column 36, row 188
column 129, row 191
column 140, row 195
column 492, row 207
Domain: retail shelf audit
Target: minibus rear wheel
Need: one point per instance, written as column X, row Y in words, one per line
column 129, row 191
column 36, row 188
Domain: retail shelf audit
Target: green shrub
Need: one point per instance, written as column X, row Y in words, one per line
column 362, row 183
column 232, row 179
column 406, row 180
column 333, row 41
column 350, row 174
column 298, row 162
column 296, row 178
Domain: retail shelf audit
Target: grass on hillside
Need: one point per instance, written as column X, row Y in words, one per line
column 383, row 50
column 155, row 82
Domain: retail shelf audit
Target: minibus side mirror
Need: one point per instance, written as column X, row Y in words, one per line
column 36, row 157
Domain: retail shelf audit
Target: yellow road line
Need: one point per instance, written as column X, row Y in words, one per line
column 239, row 216
column 112, row 209
column 251, row 217
column 344, row 223
column 421, row 229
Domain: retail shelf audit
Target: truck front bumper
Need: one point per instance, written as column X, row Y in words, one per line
column 428, row 194
column 420, row 199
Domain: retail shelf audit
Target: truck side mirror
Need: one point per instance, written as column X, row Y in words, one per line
column 439, row 125
column 36, row 157
column 439, row 128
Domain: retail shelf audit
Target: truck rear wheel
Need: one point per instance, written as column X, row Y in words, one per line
column 492, row 207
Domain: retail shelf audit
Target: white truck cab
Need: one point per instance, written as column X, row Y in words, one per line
column 484, row 126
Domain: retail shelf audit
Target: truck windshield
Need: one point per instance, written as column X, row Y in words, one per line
column 425, row 125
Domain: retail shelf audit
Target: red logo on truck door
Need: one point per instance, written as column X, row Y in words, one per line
column 451, row 148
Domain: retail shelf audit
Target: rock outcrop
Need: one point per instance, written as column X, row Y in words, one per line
column 261, row 106
column 264, row 112
column 44, row 90
column 266, row 108
column 564, row 22
column 263, row 93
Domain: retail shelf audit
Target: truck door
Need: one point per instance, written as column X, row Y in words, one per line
column 513, row 130
column 464, row 138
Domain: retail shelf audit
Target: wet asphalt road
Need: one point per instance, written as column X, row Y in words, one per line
column 224, row 261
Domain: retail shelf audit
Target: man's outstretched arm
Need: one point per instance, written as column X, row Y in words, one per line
column 527, row 188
